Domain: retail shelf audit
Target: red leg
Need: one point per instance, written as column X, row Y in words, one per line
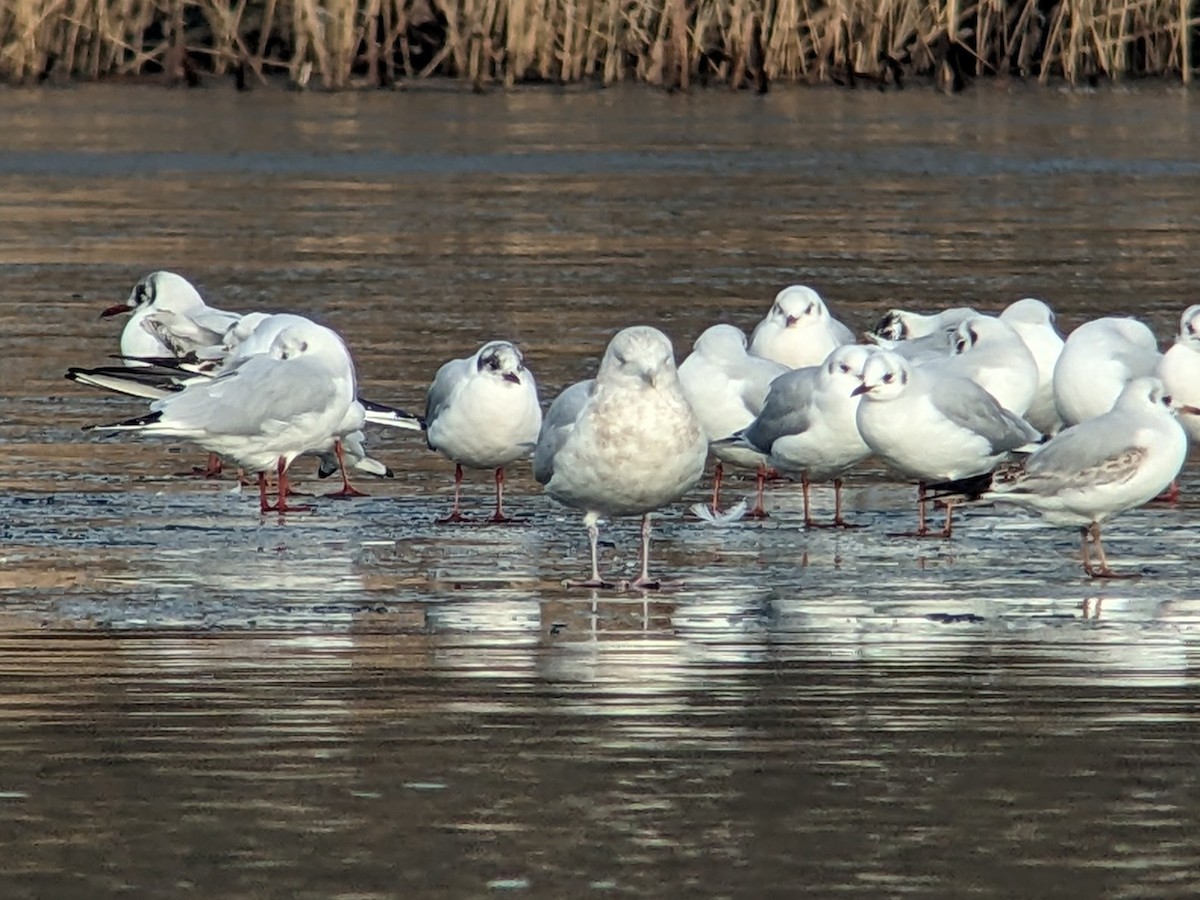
column 455, row 513
column 264, row 504
column 718, row 474
column 281, row 504
column 760, row 478
column 348, row 490
column 805, row 485
column 499, row 518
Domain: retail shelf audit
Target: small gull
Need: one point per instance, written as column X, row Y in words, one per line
column 482, row 412
column 940, row 430
column 1102, row 466
column 1033, row 321
column 624, row 443
column 1179, row 369
column 169, row 319
column 809, row 426
column 1098, row 359
column 798, row 329
column 267, row 409
column 899, row 325
column 727, row 388
column 990, row 353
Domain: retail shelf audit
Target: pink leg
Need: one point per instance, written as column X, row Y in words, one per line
column 718, row 474
column 281, row 504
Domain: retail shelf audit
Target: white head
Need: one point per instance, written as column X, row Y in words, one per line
column 721, row 342
column 159, row 290
column 638, row 354
column 500, row 360
column 1189, row 327
column 1029, row 311
column 1149, row 393
column 303, row 337
column 846, row 363
column 885, row 376
column 798, row 307
column 978, row 330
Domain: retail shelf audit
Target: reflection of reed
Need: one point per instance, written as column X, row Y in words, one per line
column 341, row 43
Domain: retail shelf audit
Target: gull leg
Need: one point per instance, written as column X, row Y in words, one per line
column 1104, row 571
column 760, row 478
column 348, row 490
column 264, row 505
column 838, row 521
column 455, row 513
column 805, row 485
column 281, row 504
column 718, row 474
column 947, row 530
column 922, row 525
column 644, row 582
column 210, row 469
column 499, row 518
column 593, row 529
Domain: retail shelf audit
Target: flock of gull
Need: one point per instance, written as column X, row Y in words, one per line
column 967, row 405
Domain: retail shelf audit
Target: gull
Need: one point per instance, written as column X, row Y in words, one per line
column 809, row 427
column 482, row 412
column 1034, row 323
column 624, row 443
column 1103, row 466
column 251, row 335
column 942, row 430
column 798, row 329
column 266, row 409
column 727, row 387
column 990, row 353
column 1179, row 369
column 1098, row 359
column 898, row 325
column 169, row 319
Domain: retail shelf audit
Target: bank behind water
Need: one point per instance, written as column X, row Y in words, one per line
column 340, row 44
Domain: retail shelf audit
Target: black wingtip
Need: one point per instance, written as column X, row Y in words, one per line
column 139, row 422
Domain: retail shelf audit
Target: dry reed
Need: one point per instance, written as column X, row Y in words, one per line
column 337, row 44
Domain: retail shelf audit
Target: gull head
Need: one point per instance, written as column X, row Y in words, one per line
column 970, row 332
column 639, row 354
column 846, row 363
column 894, row 326
column 798, row 306
column 500, row 359
column 307, row 338
column 159, row 290
column 721, row 342
column 1148, row 393
column 1189, row 327
column 885, row 376
column 1028, row 311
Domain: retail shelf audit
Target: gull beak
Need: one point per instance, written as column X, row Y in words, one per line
column 791, row 320
column 513, row 377
column 861, row 389
column 116, row 310
column 1188, row 410
column 651, row 378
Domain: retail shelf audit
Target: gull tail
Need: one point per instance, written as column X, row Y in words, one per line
column 150, row 384
column 972, row 488
column 136, row 424
column 380, row 414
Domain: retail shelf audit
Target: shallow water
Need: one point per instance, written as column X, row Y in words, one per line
column 358, row 703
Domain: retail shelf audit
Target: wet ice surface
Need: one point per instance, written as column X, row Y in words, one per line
column 358, row 702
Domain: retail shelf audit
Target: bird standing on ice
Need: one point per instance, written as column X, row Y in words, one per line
column 624, row 443
column 727, row 388
column 482, row 412
column 1102, row 466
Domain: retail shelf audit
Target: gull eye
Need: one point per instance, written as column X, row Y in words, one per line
column 845, row 368
column 1191, row 328
column 1166, row 399
column 887, row 379
column 810, row 309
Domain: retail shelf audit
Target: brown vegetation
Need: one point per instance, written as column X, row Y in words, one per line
column 337, row 44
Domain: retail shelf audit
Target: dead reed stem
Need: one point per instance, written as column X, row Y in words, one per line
column 337, row 44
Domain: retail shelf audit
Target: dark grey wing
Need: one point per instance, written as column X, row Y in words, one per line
column 557, row 426
column 969, row 406
column 788, row 409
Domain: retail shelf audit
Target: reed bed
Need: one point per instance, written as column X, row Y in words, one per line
column 338, row 44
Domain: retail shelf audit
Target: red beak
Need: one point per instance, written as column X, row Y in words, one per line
column 1188, row 410
column 513, row 377
column 791, row 320
column 116, row 310
column 861, row 389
